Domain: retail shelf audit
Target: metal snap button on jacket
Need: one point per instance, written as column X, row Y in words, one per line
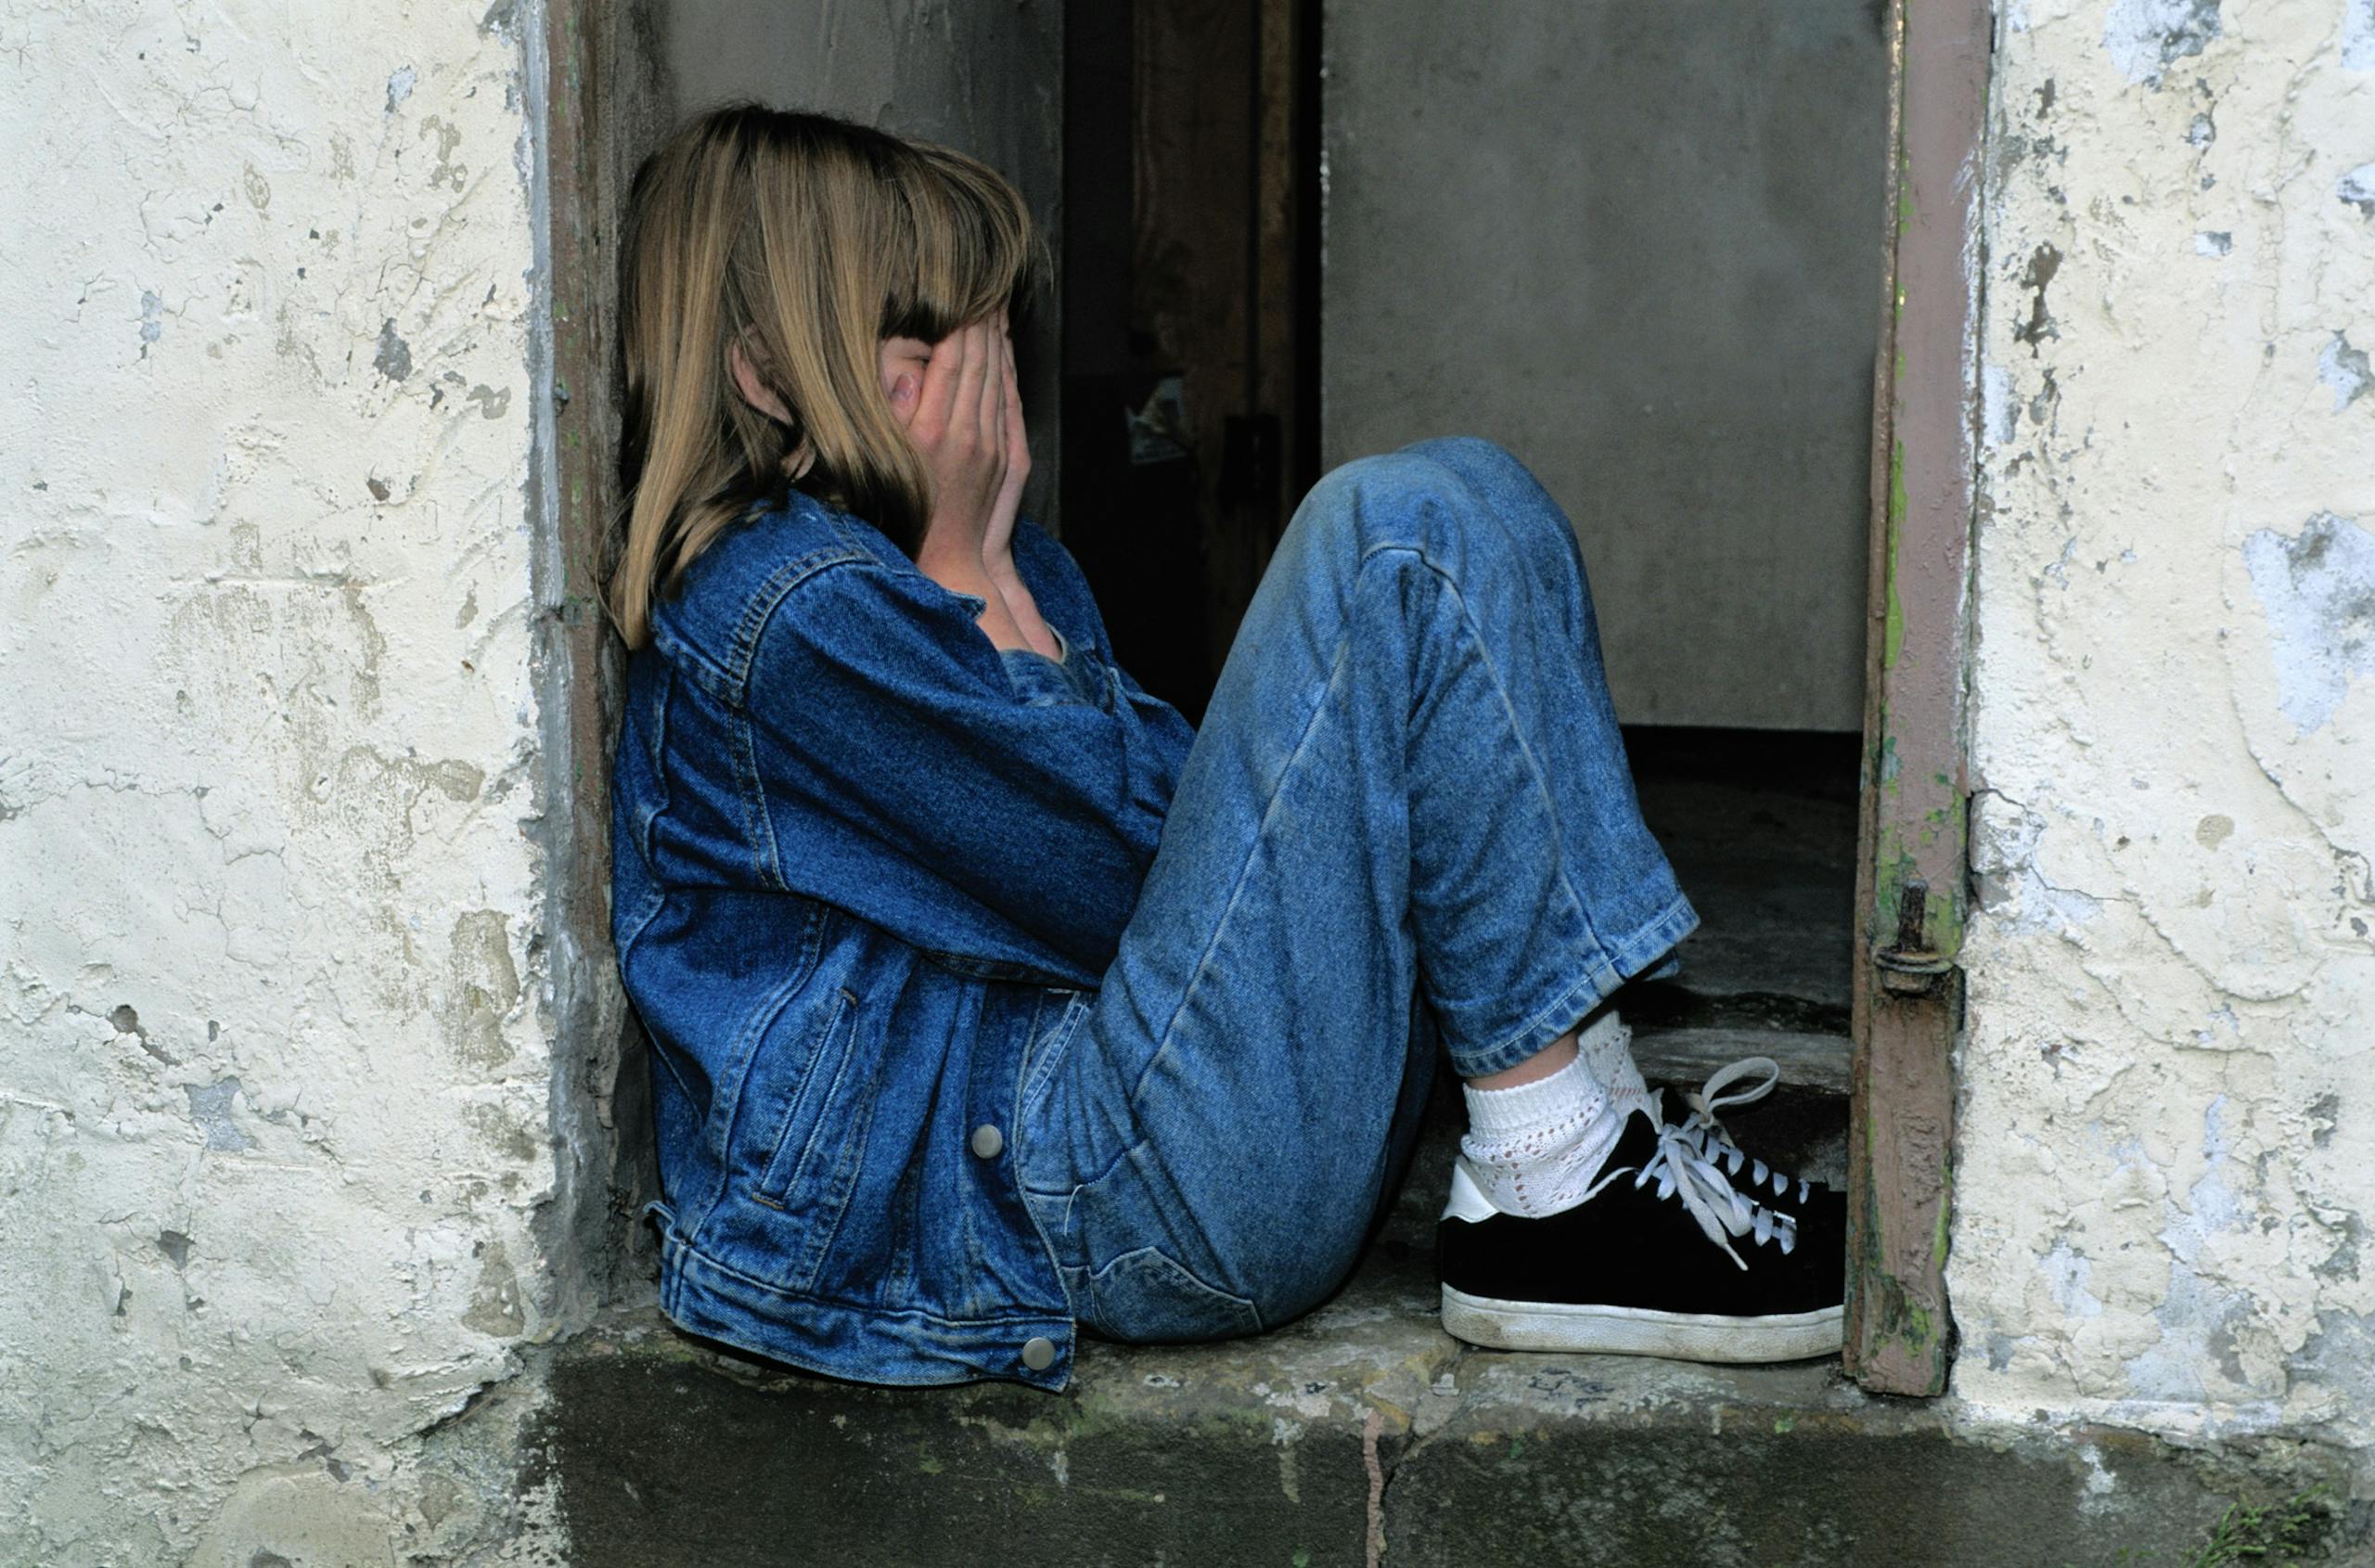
column 1038, row 1354
column 987, row 1141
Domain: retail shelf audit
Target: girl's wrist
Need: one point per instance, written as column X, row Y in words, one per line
column 1023, row 609
column 953, row 564
column 963, row 571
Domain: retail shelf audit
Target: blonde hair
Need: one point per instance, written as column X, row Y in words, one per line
column 806, row 241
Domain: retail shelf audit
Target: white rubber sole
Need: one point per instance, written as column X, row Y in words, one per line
column 1620, row 1331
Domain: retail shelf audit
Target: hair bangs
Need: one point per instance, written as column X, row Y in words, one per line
column 971, row 248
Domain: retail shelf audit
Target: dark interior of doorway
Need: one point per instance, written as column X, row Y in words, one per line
column 1759, row 826
column 1191, row 282
column 1190, row 277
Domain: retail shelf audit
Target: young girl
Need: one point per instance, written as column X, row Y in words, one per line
column 987, row 1001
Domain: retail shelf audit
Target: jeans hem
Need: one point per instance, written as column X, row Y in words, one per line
column 1609, row 969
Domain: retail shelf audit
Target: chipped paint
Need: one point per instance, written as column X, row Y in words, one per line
column 2344, row 369
column 2014, row 887
column 2146, row 37
column 2317, row 591
column 2164, row 1077
column 274, row 1074
column 2357, row 189
column 2358, row 34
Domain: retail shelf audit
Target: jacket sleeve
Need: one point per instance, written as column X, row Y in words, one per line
column 993, row 808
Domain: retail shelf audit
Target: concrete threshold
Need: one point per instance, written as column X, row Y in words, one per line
column 1361, row 1434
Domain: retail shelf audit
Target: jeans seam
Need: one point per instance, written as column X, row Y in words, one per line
column 1534, row 772
column 1042, row 1058
column 1513, row 1046
column 1520, row 1044
column 1535, row 776
column 1253, row 1308
column 1244, row 871
column 758, row 820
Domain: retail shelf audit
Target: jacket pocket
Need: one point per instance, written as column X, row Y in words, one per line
column 813, row 1150
column 801, row 1132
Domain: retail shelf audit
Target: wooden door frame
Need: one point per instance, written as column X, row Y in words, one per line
column 1911, row 886
column 594, row 79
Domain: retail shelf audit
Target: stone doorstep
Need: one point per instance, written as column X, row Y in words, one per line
column 1810, row 1060
column 1362, row 1428
column 1361, row 1423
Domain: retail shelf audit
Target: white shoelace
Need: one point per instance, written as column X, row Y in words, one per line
column 1680, row 1170
column 1709, row 1139
column 1692, row 1159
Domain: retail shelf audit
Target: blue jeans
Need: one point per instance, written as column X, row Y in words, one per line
column 1407, row 817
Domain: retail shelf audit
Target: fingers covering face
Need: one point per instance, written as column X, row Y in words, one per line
column 972, row 378
column 969, row 387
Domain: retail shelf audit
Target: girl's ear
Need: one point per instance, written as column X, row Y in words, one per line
column 755, row 390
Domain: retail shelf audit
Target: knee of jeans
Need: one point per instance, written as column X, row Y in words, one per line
column 1464, row 501
column 1475, row 457
column 1386, row 499
column 1524, row 513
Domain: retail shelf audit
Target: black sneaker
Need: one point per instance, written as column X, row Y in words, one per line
column 1666, row 1258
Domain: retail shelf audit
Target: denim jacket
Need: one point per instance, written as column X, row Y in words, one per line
column 866, row 869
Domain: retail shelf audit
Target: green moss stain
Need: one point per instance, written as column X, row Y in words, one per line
column 1940, row 835
column 1946, row 913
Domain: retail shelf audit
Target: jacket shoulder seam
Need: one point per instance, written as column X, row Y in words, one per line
column 769, row 596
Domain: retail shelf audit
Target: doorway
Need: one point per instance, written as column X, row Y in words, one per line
column 1201, row 181
column 1648, row 270
column 1637, row 245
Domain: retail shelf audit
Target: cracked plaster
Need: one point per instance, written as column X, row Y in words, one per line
column 2166, row 1081
column 274, row 1071
column 274, row 1062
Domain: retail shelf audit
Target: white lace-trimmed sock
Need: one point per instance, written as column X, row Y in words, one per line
column 1536, row 1149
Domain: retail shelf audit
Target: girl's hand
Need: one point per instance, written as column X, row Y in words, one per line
column 997, row 541
column 959, row 427
column 954, row 411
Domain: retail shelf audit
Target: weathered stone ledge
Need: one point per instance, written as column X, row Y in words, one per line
column 1360, row 1435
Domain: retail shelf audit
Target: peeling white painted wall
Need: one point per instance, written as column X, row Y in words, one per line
column 2166, row 1149
column 275, row 1060
column 274, row 1069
